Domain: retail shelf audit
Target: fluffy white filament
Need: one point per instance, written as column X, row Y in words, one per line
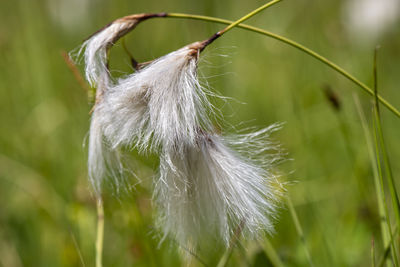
column 212, row 190
column 97, row 46
column 102, row 160
column 163, row 104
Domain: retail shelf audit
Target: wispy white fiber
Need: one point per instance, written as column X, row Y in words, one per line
column 161, row 105
column 212, row 189
column 103, row 160
column 97, row 46
column 97, row 154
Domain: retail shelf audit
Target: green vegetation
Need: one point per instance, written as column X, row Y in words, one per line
column 341, row 193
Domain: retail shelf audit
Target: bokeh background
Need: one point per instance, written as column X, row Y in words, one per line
column 47, row 211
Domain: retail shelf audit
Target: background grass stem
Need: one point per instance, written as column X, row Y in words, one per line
column 299, row 229
column 378, row 190
column 271, row 253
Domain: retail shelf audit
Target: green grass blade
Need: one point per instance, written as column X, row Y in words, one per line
column 224, row 259
column 228, row 252
column 271, row 253
column 379, row 165
column 386, row 252
column 299, row 229
column 385, row 157
column 388, row 169
column 379, row 193
column 385, row 256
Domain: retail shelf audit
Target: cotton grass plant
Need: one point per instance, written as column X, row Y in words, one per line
column 204, row 187
column 208, row 183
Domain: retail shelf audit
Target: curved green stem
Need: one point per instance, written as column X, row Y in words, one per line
column 246, row 17
column 218, row 34
column 293, row 44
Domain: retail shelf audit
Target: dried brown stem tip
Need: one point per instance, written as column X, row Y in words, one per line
column 198, row 47
column 131, row 21
column 98, row 45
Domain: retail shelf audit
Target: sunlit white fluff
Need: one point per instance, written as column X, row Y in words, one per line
column 213, row 188
column 161, row 105
column 97, row 46
column 103, row 162
column 102, row 159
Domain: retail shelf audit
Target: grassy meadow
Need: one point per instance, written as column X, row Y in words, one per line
column 331, row 216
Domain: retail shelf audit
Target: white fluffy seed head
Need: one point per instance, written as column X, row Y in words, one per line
column 96, row 160
column 162, row 104
column 209, row 186
column 97, row 46
column 103, row 162
column 211, row 190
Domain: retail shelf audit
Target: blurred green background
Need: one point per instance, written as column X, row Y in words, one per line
column 47, row 211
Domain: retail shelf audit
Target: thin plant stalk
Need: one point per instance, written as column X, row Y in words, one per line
column 295, row 45
column 100, row 232
column 228, row 252
column 225, row 257
column 386, row 252
column 379, row 165
column 379, row 194
column 299, row 229
column 271, row 253
column 388, row 168
column 246, row 17
column 134, row 63
column 373, row 253
column 234, row 23
column 251, row 14
column 385, row 256
column 380, row 143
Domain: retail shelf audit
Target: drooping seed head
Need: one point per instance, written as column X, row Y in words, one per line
column 213, row 189
column 161, row 105
column 97, row 46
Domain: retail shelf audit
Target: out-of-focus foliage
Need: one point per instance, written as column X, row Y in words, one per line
column 47, row 213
